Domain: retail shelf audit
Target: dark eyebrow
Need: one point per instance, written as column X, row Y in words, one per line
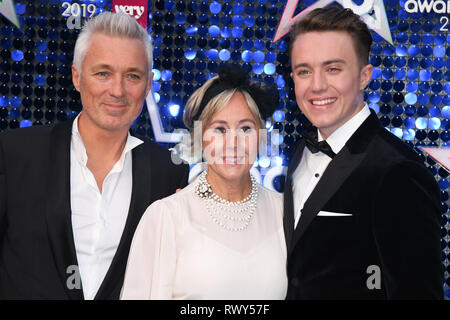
column 301, row 65
column 334, row 61
column 325, row 63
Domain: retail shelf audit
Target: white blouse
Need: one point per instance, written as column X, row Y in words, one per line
column 179, row 252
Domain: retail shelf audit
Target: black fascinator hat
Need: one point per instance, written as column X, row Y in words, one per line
column 233, row 76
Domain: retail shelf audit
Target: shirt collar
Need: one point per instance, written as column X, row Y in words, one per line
column 80, row 150
column 339, row 138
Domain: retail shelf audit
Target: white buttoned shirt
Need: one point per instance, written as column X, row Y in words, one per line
column 313, row 165
column 98, row 218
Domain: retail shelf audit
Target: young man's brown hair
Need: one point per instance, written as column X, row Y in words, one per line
column 336, row 19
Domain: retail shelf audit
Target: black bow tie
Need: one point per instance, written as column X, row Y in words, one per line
column 315, row 146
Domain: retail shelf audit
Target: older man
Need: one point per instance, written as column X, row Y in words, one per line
column 72, row 194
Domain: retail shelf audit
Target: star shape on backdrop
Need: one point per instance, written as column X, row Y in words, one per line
column 158, row 129
column 441, row 155
column 372, row 12
column 8, row 10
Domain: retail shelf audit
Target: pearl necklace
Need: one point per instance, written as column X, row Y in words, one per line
column 239, row 213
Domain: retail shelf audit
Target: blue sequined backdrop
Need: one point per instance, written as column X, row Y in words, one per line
column 409, row 90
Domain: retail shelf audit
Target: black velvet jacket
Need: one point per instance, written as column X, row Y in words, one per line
column 395, row 224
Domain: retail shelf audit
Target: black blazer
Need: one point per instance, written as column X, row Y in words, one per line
column 36, row 238
column 395, row 224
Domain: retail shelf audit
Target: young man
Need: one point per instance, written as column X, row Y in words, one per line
column 362, row 213
column 71, row 195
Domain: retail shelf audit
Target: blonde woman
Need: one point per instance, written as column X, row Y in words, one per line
column 221, row 237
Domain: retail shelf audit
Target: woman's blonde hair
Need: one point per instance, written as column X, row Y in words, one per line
column 215, row 105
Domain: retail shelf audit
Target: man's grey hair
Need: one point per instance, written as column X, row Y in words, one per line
column 113, row 24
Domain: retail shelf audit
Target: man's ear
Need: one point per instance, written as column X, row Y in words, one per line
column 75, row 78
column 366, row 75
column 149, row 84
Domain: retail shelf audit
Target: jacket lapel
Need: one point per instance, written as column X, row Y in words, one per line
column 334, row 176
column 288, row 217
column 58, row 208
column 140, row 199
column 339, row 169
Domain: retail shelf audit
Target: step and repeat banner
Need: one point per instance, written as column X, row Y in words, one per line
column 410, row 89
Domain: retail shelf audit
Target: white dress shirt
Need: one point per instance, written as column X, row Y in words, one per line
column 98, row 218
column 313, row 165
